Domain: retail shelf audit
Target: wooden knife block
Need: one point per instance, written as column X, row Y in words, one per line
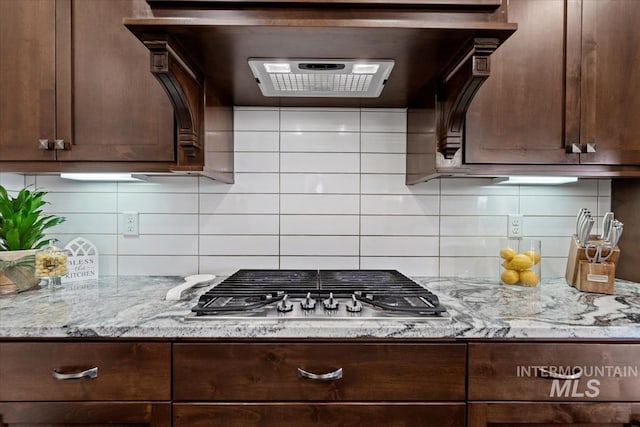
column 578, row 278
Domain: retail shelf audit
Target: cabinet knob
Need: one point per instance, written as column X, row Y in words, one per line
column 574, row 148
column 58, row 144
column 44, row 144
column 591, row 148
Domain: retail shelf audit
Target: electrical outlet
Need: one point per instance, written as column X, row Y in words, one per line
column 130, row 221
column 514, row 226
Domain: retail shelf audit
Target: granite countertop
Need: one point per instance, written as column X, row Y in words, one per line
column 134, row 306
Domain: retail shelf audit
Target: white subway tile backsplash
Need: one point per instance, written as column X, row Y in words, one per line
column 323, row 142
column 469, row 246
column 267, row 119
column 319, row 245
column 399, row 246
column 258, row 183
column 474, row 225
column 383, row 163
column 166, row 265
column 320, row 262
column 384, row 120
column 154, row 244
column 383, row 143
column 256, row 162
column 320, row 121
column 399, row 225
column 408, row 265
column 339, row 225
column 556, row 205
column 387, row 204
column 396, row 184
column 88, row 223
column 165, row 223
column 239, row 203
column 480, row 205
column 316, row 188
column 238, row 245
column 12, row 181
column 61, row 203
column 239, row 224
column 256, row 141
column 320, row 162
column 227, row 265
column 318, row 183
column 323, row 204
column 158, row 202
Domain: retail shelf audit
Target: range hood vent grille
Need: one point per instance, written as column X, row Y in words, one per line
column 320, row 77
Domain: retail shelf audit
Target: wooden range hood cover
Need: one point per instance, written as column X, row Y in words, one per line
column 441, row 50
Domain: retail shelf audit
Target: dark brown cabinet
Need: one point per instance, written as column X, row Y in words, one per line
column 85, row 384
column 76, row 87
column 545, row 384
column 328, row 384
column 563, row 89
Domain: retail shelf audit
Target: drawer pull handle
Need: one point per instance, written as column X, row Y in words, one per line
column 333, row 375
column 88, row 373
column 545, row 373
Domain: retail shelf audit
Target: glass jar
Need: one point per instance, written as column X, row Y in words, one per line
column 520, row 262
column 51, row 264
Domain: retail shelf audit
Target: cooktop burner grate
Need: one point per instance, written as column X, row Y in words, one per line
column 263, row 293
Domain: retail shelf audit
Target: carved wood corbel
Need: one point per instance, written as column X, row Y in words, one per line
column 456, row 91
column 184, row 84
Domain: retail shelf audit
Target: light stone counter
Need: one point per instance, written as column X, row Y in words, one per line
column 134, row 306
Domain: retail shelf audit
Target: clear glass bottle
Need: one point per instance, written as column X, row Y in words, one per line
column 51, row 264
column 520, row 262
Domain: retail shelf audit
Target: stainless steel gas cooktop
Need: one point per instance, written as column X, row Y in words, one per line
column 318, row 295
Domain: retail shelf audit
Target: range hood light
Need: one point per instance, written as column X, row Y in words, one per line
column 277, row 67
column 365, row 68
column 535, row 180
column 104, row 177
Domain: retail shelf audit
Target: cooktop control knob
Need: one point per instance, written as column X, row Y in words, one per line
column 284, row 305
column 308, row 303
column 354, row 306
column 330, row 303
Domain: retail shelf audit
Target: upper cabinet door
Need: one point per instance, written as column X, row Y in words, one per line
column 610, row 81
column 27, row 91
column 118, row 110
column 517, row 115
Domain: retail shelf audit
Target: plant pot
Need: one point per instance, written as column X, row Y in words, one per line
column 17, row 271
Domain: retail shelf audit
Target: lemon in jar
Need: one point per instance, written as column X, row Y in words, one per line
column 529, row 278
column 510, row 277
column 535, row 256
column 507, row 253
column 521, row 262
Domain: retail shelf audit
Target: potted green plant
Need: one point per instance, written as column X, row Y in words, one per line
column 22, row 226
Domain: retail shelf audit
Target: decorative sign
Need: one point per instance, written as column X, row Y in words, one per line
column 82, row 263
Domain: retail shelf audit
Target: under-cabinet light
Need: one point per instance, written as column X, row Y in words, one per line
column 360, row 68
column 535, row 180
column 104, row 176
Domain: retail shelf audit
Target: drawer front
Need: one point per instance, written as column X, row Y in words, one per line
column 308, row 415
column 263, row 372
column 579, row 372
column 126, row 371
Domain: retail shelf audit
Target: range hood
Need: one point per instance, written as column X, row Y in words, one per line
column 201, row 52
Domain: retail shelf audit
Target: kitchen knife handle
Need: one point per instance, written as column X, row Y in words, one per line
column 87, row 373
column 545, row 373
column 329, row 376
